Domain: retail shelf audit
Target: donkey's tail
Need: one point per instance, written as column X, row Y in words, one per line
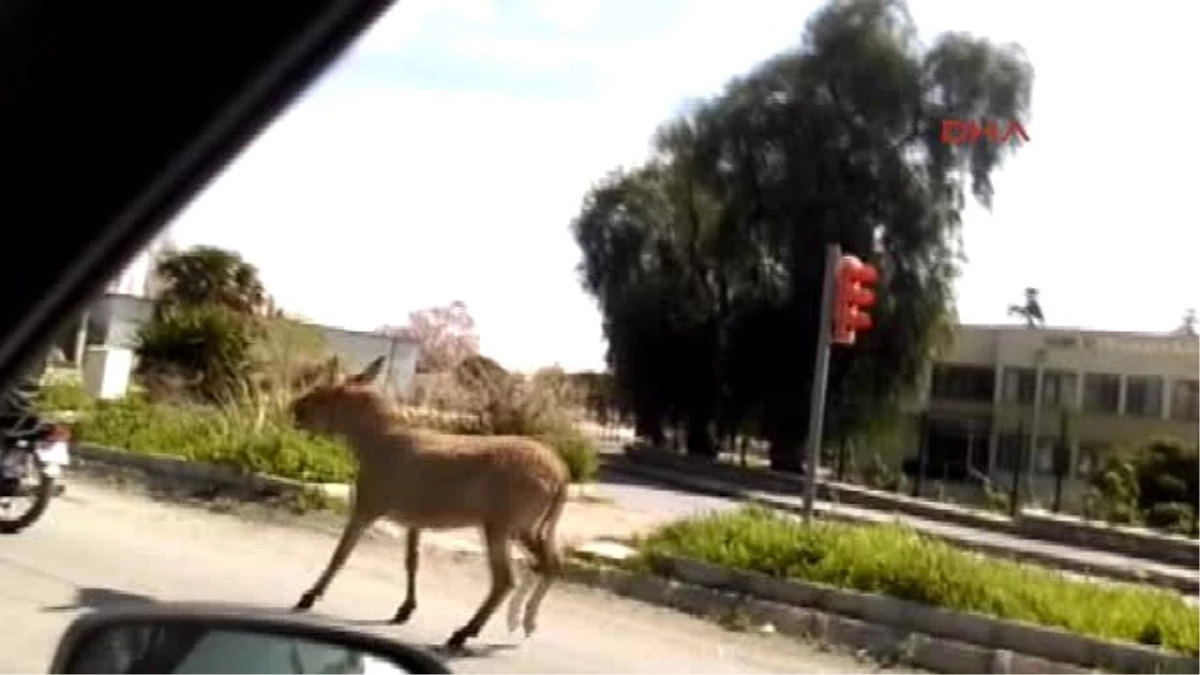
column 547, row 527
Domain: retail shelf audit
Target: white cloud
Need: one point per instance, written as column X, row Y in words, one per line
column 401, row 23
column 566, row 16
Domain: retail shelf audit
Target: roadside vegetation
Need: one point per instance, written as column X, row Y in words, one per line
column 897, row 561
column 218, row 364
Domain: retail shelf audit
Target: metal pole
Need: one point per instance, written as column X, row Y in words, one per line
column 816, row 413
column 1039, row 376
column 81, row 334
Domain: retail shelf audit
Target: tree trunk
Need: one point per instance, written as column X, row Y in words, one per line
column 650, row 429
column 699, row 437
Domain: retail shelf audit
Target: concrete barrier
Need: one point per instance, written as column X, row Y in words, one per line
column 1052, row 644
column 845, row 493
column 1131, row 541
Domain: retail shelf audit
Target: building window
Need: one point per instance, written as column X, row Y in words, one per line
column 1058, row 388
column 962, row 383
column 1143, row 396
column 1185, row 400
column 1019, row 384
column 1009, row 447
column 1101, row 393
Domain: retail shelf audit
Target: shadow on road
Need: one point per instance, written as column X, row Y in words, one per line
column 478, row 650
column 471, row 651
column 97, row 598
column 612, row 476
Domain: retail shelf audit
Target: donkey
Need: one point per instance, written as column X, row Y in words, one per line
column 509, row 486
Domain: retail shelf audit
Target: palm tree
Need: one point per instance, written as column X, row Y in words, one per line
column 210, row 275
column 1030, row 311
column 1188, row 325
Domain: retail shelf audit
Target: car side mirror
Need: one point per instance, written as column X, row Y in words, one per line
column 189, row 639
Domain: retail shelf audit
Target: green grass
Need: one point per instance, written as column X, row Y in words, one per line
column 227, row 436
column 233, row 436
column 897, row 561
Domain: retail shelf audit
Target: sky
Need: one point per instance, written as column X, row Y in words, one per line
column 444, row 156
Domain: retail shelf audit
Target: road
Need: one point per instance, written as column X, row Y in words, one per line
column 100, row 545
column 641, row 495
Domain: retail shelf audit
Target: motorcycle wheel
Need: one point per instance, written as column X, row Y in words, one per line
column 41, row 493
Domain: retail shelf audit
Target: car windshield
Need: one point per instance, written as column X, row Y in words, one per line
column 659, row 336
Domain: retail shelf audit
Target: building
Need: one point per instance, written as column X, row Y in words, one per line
column 1002, row 390
column 113, row 320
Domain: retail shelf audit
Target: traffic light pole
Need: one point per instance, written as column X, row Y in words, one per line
column 816, row 413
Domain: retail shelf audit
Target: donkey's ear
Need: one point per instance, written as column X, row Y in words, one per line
column 368, row 374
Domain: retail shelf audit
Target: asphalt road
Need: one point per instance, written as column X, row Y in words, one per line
column 638, row 494
column 101, row 545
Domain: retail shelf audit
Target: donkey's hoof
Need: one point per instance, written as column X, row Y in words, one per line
column 457, row 640
column 403, row 614
column 306, row 602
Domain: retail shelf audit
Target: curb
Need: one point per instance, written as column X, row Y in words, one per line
column 942, row 640
column 1053, row 645
column 1138, row 575
column 883, row 643
column 187, row 471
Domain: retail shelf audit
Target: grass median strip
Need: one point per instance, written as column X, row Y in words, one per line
column 897, row 561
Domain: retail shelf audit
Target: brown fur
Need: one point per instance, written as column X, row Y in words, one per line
column 511, row 487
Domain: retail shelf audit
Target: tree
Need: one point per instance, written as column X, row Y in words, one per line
column 1188, row 326
column 707, row 260
column 445, row 336
column 201, row 335
column 1029, row 311
column 1154, row 483
column 207, row 275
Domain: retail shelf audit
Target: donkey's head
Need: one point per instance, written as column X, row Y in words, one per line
column 342, row 405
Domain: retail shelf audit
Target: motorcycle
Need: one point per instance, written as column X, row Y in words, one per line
column 33, row 453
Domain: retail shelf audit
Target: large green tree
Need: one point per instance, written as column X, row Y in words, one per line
column 707, row 261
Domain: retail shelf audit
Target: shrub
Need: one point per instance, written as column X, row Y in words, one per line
column 230, row 436
column 1155, row 483
column 63, row 396
column 897, row 561
column 579, row 452
column 207, row 347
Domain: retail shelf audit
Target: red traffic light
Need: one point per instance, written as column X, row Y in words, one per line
column 853, row 297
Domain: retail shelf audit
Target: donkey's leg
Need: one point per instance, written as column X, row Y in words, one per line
column 528, row 580
column 500, row 563
column 549, row 566
column 412, row 558
column 358, row 523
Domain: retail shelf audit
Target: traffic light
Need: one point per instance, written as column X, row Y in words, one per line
column 854, row 281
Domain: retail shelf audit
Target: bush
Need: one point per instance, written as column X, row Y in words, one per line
column 579, row 452
column 207, row 347
column 897, row 561
column 231, row 436
column 1155, row 483
column 64, row 396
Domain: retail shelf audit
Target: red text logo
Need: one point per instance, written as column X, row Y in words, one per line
column 966, row 132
